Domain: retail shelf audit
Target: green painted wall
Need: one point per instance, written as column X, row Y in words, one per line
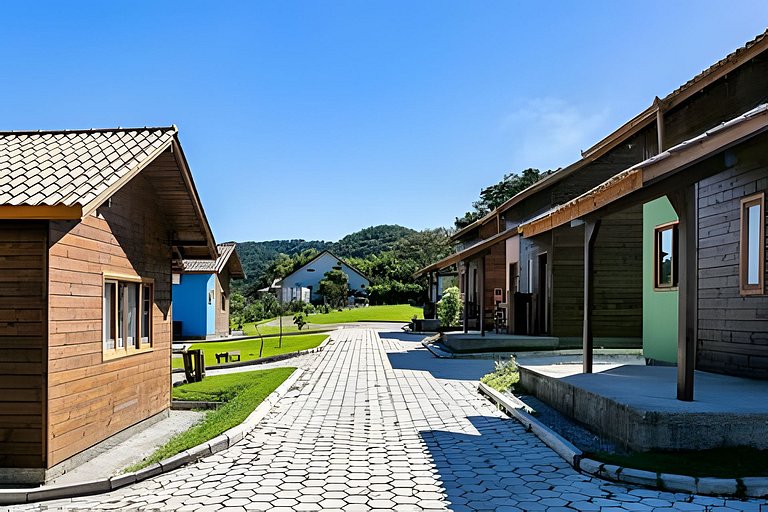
column 659, row 307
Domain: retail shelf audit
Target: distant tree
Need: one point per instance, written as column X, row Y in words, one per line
column 334, row 287
column 494, row 196
column 236, row 309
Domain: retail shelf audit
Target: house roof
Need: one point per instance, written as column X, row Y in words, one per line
column 468, row 252
column 326, row 251
column 227, row 257
column 67, row 174
column 714, row 72
column 652, row 170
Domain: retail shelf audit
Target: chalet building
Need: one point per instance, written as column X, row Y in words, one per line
column 304, row 283
column 94, row 223
column 656, row 234
column 201, row 295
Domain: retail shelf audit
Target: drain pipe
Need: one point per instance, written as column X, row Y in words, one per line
column 659, row 124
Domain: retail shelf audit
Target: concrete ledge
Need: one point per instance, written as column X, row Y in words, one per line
column 521, row 412
column 750, row 487
column 189, row 405
column 217, row 444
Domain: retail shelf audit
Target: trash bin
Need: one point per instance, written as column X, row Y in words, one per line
column 194, row 364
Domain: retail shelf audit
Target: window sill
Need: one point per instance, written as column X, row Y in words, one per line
column 665, row 289
column 120, row 353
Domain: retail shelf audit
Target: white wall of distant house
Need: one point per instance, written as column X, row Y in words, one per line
column 310, row 275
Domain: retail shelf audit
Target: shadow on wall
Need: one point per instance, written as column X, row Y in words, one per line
column 499, row 465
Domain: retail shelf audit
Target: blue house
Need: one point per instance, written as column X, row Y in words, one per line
column 201, row 295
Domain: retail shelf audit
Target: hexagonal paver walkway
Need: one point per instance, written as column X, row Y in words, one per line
column 377, row 424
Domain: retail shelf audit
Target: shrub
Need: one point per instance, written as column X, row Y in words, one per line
column 449, row 307
column 504, row 377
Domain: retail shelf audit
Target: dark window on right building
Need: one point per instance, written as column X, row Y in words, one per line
column 665, row 256
column 752, row 245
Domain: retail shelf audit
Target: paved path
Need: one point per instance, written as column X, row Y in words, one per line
column 380, row 424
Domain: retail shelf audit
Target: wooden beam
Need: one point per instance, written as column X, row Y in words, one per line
column 481, row 288
column 465, row 312
column 684, row 202
column 42, row 212
column 591, row 229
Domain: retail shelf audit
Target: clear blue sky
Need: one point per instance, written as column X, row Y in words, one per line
column 315, row 119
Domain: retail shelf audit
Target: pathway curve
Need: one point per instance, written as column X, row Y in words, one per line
column 378, row 424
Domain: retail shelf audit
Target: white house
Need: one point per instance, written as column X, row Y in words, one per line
column 310, row 275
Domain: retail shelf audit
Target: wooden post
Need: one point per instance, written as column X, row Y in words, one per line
column 481, row 287
column 466, row 297
column 684, row 203
column 591, row 229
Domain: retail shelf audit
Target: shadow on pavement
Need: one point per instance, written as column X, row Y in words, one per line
column 496, row 468
column 418, row 358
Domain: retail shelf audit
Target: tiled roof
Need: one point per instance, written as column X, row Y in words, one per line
column 48, row 168
column 226, row 251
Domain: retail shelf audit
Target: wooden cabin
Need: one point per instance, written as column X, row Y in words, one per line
column 93, row 223
column 703, row 201
column 201, row 295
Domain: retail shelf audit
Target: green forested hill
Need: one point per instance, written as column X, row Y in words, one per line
column 395, row 250
column 368, row 241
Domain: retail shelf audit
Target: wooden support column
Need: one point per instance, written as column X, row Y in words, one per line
column 466, row 298
column 684, row 203
column 430, row 295
column 591, row 229
column 481, row 287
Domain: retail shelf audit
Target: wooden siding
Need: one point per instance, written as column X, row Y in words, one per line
column 733, row 329
column 22, row 343
column 618, row 278
column 222, row 296
column 91, row 399
column 729, row 97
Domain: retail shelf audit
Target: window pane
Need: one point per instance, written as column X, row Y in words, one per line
column 109, row 316
column 121, row 315
column 133, row 311
column 753, row 244
column 664, row 258
column 146, row 310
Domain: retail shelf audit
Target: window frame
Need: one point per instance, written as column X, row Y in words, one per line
column 674, row 227
column 140, row 344
column 744, row 287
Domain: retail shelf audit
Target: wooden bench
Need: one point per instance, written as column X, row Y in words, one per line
column 231, row 356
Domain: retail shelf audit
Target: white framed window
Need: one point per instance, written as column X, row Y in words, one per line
column 752, row 245
column 127, row 316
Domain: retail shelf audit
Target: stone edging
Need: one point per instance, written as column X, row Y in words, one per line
column 749, row 487
column 226, row 440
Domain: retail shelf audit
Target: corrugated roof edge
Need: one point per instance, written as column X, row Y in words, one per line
column 172, row 127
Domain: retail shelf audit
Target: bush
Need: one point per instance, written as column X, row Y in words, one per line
column 449, row 307
column 504, row 377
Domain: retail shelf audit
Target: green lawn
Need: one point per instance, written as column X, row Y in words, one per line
column 242, row 392
column 399, row 313
column 718, row 462
column 249, row 349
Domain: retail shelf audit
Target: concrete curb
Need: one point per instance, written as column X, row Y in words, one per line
column 521, row 413
column 222, row 442
column 748, row 487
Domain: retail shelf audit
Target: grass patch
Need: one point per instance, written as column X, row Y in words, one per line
column 249, row 349
column 504, row 378
column 395, row 313
column 242, row 392
column 718, row 462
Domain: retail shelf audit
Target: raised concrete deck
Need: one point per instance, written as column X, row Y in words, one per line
column 473, row 341
column 636, row 405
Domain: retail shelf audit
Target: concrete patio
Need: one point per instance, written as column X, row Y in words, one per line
column 636, row 405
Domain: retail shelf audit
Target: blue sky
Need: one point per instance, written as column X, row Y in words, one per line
column 315, row 119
